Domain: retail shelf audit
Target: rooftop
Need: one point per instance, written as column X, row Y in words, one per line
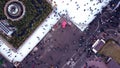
column 98, row 45
column 14, row 10
column 5, row 28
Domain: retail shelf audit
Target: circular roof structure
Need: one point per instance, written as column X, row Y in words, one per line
column 14, row 10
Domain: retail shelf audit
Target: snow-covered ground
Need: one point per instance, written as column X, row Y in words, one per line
column 81, row 12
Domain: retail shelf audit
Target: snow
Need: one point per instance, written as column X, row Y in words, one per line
column 81, row 13
column 6, row 51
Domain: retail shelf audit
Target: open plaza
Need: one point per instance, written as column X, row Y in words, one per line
column 61, row 40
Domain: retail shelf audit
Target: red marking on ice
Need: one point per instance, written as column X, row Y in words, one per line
column 64, row 24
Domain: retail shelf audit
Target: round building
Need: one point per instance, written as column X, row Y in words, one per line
column 14, row 10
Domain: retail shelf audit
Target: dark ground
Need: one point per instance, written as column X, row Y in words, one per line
column 4, row 63
column 55, row 49
column 70, row 44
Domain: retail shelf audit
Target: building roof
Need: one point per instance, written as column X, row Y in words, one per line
column 5, row 29
column 14, row 10
column 98, row 45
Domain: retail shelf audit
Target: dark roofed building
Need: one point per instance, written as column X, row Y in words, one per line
column 98, row 45
column 4, row 27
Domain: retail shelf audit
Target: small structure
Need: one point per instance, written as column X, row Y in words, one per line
column 14, row 10
column 63, row 24
column 5, row 28
column 98, row 45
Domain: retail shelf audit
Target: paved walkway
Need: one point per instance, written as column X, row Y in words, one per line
column 80, row 12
